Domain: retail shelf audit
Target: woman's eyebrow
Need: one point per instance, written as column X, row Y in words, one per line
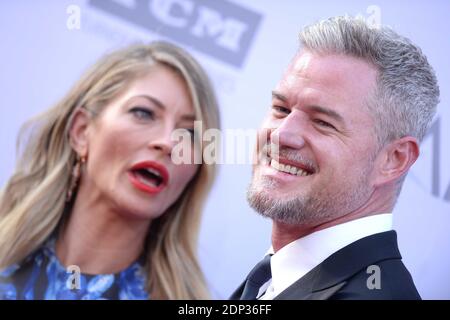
column 152, row 100
column 189, row 117
column 160, row 105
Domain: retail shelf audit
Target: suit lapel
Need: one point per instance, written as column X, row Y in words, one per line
column 238, row 292
column 325, row 294
column 302, row 290
column 330, row 276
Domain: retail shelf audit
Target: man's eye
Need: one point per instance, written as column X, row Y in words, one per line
column 280, row 109
column 324, row 124
column 142, row 113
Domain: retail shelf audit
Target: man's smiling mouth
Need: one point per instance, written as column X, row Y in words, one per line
column 290, row 169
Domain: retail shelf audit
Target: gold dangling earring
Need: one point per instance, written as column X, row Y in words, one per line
column 76, row 173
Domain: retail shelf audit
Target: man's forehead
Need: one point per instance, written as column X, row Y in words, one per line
column 331, row 73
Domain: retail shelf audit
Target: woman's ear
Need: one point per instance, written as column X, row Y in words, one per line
column 78, row 132
column 396, row 158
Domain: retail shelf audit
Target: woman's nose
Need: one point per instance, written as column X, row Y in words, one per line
column 162, row 142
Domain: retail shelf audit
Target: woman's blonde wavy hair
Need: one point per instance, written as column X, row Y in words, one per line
column 32, row 204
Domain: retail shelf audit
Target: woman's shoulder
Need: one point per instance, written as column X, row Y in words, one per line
column 42, row 276
column 15, row 278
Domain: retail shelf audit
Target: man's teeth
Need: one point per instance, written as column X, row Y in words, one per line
column 288, row 169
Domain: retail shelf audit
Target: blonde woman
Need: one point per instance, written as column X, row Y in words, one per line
column 96, row 208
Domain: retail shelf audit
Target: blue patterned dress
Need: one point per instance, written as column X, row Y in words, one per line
column 42, row 276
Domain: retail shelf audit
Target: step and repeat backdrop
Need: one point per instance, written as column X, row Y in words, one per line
column 245, row 46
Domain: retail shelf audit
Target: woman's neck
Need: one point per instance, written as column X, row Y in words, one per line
column 99, row 240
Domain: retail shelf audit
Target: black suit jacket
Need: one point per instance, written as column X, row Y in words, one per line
column 344, row 275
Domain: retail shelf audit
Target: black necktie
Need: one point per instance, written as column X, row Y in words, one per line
column 259, row 275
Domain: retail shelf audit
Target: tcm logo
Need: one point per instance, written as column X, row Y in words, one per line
column 221, row 29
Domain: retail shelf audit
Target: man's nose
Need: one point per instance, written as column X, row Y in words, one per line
column 289, row 132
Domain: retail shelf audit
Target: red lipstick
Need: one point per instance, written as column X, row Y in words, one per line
column 149, row 176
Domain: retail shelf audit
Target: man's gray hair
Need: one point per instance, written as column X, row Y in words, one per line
column 407, row 93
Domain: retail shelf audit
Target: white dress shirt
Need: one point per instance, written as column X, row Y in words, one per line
column 296, row 259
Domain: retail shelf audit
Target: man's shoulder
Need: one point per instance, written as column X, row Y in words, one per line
column 385, row 280
column 378, row 271
column 369, row 268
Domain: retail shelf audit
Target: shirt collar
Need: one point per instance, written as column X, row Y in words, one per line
column 294, row 260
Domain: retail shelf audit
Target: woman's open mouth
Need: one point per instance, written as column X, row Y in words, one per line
column 149, row 176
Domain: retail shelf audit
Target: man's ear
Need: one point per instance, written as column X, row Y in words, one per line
column 78, row 132
column 395, row 159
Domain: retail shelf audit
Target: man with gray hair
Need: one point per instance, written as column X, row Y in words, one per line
column 344, row 128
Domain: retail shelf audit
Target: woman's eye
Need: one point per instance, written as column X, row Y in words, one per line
column 324, row 124
column 192, row 133
column 143, row 113
column 280, row 109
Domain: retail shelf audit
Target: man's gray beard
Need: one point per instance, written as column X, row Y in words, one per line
column 311, row 210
